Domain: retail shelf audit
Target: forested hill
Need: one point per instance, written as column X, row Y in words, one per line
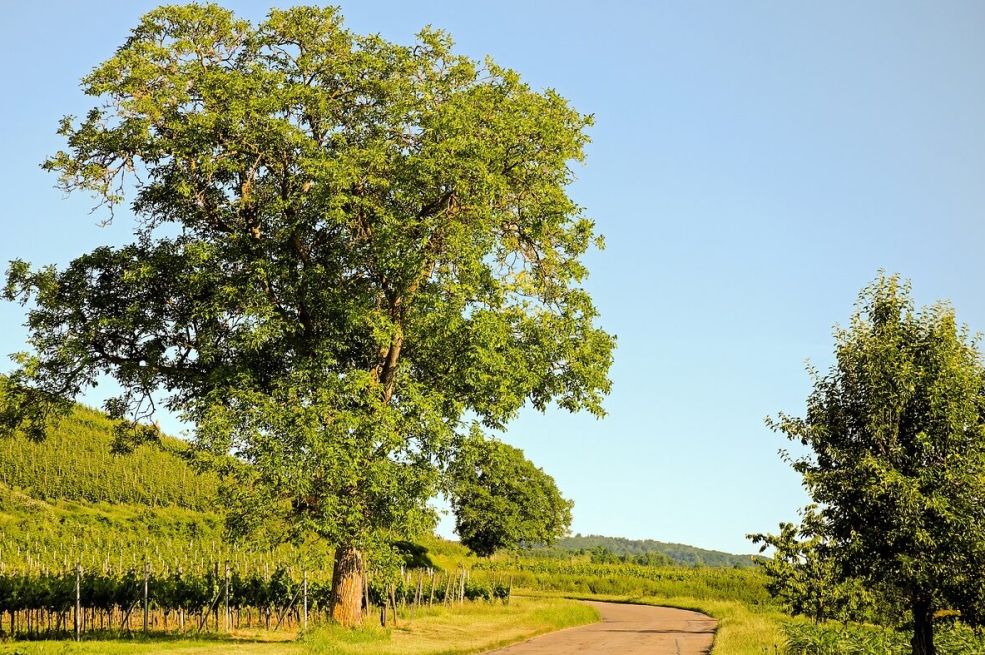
column 679, row 553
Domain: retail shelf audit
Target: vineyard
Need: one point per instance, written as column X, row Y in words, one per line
column 118, row 516
column 585, row 577
column 78, row 602
column 151, row 476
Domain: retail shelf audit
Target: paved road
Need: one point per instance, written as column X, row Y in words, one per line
column 627, row 630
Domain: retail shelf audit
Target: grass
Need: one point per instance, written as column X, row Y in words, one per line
column 472, row 628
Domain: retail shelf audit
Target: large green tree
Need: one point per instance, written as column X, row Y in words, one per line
column 895, row 461
column 502, row 500
column 344, row 251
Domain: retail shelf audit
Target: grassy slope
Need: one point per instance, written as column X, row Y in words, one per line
column 471, row 629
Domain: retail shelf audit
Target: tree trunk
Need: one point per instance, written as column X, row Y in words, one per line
column 923, row 627
column 347, row 587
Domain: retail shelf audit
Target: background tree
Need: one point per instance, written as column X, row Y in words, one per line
column 896, row 461
column 342, row 248
column 502, row 500
column 803, row 576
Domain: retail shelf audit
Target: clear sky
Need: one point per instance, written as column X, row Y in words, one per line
column 753, row 166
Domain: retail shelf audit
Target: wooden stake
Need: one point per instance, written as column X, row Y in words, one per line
column 227, row 615
column 304, row 619
column 146, row 589
column 78, row 603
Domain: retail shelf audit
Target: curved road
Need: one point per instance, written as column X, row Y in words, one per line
column 627, row 630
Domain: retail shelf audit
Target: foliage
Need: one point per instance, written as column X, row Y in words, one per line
column 678, row 553
column 632, row 549
column 602, row 555
column 198, row 592
column 803, row 577
column 842, row 639
column 501, row 500
column 896, row 460
column 168, row 591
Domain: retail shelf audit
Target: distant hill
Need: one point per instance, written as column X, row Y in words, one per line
column 678, row 553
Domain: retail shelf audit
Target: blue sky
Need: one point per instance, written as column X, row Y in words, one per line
column 753, row 166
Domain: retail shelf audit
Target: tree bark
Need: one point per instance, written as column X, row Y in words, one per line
column 347, row 587
column 923, row 627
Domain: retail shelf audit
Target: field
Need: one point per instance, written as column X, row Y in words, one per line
column 116, row 514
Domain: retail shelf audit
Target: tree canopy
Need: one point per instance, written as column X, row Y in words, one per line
column 895, row 433
column 345, row 251
column 502, row 500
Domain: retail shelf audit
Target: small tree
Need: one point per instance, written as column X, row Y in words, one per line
column 344, row 249
column 502, row 500
column 896, row 462
column 801, row 574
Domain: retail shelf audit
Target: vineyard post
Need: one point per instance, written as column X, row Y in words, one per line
column 431, row 583
column 146, row 583
column 78, row 599
column 227, row 619
column 417, row 596
column 214, row 610
column 181, row 611
column 304, row 588
column 382, row 605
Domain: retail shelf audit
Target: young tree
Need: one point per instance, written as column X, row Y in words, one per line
column 344, row 248
column 502, row 500
column 896, row 462
column 804, row 577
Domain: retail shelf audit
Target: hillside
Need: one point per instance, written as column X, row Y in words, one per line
column 75, row 463
column 69, row 498
column 635, row 548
